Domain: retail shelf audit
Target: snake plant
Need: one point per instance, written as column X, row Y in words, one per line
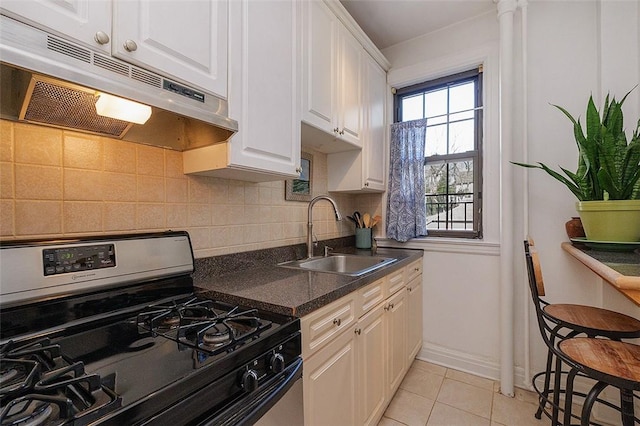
column 608, row 166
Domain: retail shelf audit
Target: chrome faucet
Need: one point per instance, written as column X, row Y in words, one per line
column 310, row 220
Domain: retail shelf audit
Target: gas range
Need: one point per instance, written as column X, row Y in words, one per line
column 109, row 331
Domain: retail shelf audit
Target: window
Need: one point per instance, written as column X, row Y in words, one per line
column 453, row 162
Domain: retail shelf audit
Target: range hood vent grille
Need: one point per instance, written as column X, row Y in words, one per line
column 68, row 49
column 57, row 104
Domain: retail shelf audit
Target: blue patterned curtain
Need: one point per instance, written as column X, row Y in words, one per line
column 406, row 212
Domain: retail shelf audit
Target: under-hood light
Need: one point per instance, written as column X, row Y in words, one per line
column 122, row 109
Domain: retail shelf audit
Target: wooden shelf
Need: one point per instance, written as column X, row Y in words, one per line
column 618, row 269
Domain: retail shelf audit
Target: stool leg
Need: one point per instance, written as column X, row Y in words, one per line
column 590, row 400
column 568, row 396
column 547, row 379
column 626, row 407
column 556, row 392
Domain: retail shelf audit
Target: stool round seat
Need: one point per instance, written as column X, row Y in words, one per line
column 595, row 321
column 610, row 363
column 605, row 359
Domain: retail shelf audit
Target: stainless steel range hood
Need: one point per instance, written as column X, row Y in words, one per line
column 50, row 81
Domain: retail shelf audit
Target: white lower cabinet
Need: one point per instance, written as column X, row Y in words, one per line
column 371, row 337
column 414, row 323
column 354, row 365
column 329, row 384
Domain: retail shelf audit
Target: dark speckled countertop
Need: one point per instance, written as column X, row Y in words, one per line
column 254, row 280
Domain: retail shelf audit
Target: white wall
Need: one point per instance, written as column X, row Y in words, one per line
column 574, row 49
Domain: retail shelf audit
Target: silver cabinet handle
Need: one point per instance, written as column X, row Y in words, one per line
column 298, row 170
column 336, row 130
column 341, row 132
column 409, row 289
column 130, row 46
column 366, row 184
column 101, row 37
column 337, row 322
column 357, row 331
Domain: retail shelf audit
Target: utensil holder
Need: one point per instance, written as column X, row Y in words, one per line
column 363, row 238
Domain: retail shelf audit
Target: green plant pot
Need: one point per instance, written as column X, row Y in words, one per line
column 614, row 220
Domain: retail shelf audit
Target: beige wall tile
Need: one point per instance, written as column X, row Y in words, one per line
column 219, row 191
column 143, row 188
column 6, row 218
column 199, row 215
column 177, row 216
column 82, row 217
column 82, row 151
column 119, row 216
column 150, row 160
column 200, row 238
column 38, row 182
column 119, row 187
column 236, row 193
column 6, row 140
column 150, row 216
column 173, row 164
column 37, row 145
column 82, row 185
column 177, row 190
column 38, row 217
column 151, row 189
column 199, row 189
column 6, row 180
column 119, row 156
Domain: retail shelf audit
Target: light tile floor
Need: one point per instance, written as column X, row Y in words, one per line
column 432, row 395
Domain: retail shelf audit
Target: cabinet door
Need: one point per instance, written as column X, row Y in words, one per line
column 184, row 39
column 329, row 384
column 349, row 87
column 371, row 342
column 319, row 77
column 263, row 94
column 374, row 138
column 414, row 322
column 396, row 340
column 79, row 20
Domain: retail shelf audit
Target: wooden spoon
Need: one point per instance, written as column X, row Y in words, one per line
column 366, row 219
column 375, row 220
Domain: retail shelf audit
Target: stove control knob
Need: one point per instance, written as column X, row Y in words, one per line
column 249, row 381
column 277, row 363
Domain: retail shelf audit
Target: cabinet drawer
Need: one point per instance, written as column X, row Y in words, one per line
column 370, row 296
column 413, row 270
column 321, row 326
column 396, row 281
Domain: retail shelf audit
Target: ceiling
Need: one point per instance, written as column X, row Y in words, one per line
column 389, row 22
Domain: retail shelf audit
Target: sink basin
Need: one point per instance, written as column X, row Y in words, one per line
column 344, row 264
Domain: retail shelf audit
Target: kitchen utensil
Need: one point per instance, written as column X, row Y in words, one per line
column 358, row 217
column 375, row 220
column 353, row 220
column 366, row 220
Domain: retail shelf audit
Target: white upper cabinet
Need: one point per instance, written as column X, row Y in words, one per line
column 186, row 39
column 332, row 100
column 263, row 96
column 86, row 21
column 364, row 171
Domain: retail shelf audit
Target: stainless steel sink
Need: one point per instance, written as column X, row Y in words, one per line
column 344, row 264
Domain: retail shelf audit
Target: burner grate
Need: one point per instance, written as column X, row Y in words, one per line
column 38, row 385
column 202, row 324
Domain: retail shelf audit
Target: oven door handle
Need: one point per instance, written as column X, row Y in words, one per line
column 249, row 409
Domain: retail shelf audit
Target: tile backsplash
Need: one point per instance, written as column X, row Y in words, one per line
column 57, row 183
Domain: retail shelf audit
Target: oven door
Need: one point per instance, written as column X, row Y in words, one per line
column 284, row 387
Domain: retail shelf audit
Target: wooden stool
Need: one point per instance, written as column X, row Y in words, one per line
column 609, row 362
column 561, row 321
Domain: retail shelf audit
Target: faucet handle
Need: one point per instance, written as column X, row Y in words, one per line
column 327, row 249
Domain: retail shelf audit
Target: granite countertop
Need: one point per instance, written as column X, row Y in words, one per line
column 254, row 280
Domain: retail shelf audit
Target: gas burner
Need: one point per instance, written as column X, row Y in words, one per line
column 17, row 375
column 28, row 412
column 217, row 335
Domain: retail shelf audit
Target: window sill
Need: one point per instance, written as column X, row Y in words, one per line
column 445, row 245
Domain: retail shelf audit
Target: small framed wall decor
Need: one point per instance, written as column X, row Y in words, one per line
column 300, row 189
